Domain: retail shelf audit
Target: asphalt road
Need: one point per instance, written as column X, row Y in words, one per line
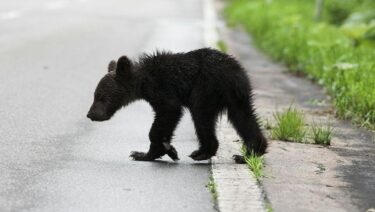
column 52, row 158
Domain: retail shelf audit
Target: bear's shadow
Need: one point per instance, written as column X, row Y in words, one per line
column 165, row 163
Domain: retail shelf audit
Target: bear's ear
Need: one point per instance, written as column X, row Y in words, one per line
column 112, row 66
column 124, row 68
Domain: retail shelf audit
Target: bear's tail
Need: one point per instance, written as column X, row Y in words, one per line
column 243, row 118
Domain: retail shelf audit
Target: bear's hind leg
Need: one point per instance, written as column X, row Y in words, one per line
column 242, row 115
column 205, row 123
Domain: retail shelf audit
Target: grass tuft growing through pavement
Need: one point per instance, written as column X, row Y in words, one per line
column 267, row 124
column 254, row 162
column 290, row 126
column 321, row 134
column 212, row 188
column 268, row 207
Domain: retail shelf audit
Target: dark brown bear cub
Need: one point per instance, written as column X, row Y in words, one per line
column 204, row 81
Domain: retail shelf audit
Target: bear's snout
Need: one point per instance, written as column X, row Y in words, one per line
column 96, row 117
column 90, row 116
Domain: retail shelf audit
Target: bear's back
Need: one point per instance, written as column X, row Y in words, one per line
column 177, row 74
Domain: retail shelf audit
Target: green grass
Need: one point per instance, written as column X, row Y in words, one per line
column 321, row 134
column 255, row 163
column 267, row 124
column 320, row 168
column 222, row 46
column 268, row 207
column 286, row 30
column 290, row 126
column 316, row 102
column 212, row 188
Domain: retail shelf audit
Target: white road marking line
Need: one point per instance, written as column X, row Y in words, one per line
column 56, row 5
column 11, row 15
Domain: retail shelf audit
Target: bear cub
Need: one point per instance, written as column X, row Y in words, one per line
column 205, row 81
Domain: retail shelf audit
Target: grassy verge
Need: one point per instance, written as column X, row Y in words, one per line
column 286, row 30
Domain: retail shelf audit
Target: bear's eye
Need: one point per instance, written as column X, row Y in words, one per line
column 100, row 98
column 103, row 99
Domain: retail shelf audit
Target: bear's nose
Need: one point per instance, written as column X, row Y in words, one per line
column 90, row 115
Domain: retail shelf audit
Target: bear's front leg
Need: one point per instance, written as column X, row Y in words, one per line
column 160, row 136
column 204, row 118
column 156, row 151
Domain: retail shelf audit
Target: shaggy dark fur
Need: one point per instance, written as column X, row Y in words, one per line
column 204, row 81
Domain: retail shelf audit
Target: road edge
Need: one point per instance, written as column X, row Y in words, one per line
column 235, row 186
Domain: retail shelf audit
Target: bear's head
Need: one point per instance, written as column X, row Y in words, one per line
column 113, row 91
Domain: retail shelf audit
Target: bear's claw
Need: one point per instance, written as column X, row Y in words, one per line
column 172, row 153
column 199, row 155
column 239, row 159
column 155, row 153
column 141, row 156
